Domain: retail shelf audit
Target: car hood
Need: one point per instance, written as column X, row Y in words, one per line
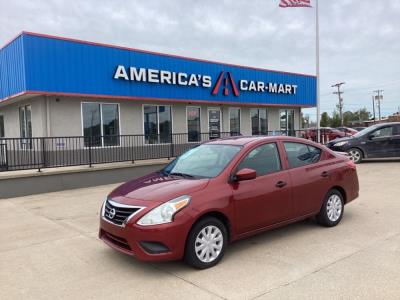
column 342, row 139
column 156, row 187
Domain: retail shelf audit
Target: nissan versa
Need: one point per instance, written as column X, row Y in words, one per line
column 225, row 190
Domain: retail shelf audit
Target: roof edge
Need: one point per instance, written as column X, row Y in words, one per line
column 61, row 94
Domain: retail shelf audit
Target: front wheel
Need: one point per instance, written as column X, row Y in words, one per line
column 206, row 243
column 355, row 155
column 332, row 209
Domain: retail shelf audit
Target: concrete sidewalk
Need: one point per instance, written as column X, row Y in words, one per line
column 49, row 250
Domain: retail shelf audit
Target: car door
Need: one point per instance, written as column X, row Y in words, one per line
column 379, row 143
column 309, row 177
column 265, row 200
column 396, row 141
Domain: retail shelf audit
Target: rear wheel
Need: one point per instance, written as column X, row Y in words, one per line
column 332, row 209
column 206, row 243
column 355, row 155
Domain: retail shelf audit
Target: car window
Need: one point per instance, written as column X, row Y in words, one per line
column 264, row 159
column 206, row 160
column 396, row 130
column 383, row 132
column 301, row 154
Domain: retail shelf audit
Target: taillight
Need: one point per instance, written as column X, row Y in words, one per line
column 351, row 164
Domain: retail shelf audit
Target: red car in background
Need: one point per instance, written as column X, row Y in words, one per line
column 326, row 134
column 348, row 131
column 226, row 190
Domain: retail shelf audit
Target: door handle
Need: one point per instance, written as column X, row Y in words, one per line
column 324, row 174
column 280, row 184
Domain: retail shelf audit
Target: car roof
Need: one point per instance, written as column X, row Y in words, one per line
column 389, row 123
column 244, row 140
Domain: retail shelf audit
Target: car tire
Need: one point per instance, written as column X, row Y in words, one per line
column 355, row 155
column 206, row 243
column 332, row 209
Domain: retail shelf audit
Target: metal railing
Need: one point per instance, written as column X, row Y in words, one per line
column 51, row 152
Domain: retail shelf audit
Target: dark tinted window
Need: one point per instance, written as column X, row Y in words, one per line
column 396, row 130
column 157, row 124
column 301, row 154
column 264, row 159
column 91, row 124
column 100, row 124
column 1, row 126
column 193, row 123
column 234, row 120
column 383, row 132
column 259, row 123
column 110, row 118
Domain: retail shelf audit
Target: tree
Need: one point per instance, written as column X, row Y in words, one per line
column 325, row 120
column 335, row 121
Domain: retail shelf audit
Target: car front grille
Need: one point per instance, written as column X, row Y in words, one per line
column 119, row 213
column 116, row 240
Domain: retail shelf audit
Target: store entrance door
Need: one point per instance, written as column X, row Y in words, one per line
column 214, row 123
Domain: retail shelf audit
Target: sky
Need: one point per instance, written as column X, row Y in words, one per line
column 359, row 40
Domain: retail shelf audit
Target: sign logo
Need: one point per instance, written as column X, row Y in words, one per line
column 165, row 77
column 225, row 79
column 111, row 213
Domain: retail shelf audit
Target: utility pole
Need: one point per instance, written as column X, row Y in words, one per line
column 339, row 92
column 378, row 98
column 373, row 107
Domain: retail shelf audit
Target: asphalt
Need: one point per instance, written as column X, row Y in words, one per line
column 49, row 250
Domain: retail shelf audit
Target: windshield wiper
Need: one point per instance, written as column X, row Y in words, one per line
column 181, row 174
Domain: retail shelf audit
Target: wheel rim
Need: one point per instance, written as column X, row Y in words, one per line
column 334, row 208
column 355, row 155
column 208, row 244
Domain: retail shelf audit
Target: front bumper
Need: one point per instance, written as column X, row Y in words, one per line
column 343, row 148
column 140, row 241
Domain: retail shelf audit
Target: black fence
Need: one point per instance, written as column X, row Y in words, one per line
column 51, row 152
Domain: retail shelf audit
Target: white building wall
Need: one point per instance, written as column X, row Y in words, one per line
column 61, row 116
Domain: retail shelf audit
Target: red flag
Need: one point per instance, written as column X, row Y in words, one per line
column 295, row 3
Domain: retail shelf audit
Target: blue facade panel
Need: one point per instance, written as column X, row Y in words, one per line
column 12, row 72
column 56, row 65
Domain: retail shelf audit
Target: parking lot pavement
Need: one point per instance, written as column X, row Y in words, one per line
column 49, row 250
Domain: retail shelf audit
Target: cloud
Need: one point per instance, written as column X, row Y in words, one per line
column 359, row 40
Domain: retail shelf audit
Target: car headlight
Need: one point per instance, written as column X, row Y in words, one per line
column 340, row 144
column 165, row 212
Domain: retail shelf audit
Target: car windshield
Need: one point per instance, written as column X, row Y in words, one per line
column 204, row 161
column 366, row 131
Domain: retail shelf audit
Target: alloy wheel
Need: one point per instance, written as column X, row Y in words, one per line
column 355, row 155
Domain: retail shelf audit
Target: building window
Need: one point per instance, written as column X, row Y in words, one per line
column 157, row 124
column 2, row 133
column 234, row 121
column 193, row 123
column 287, row 121
column 25, row 126
column 259, row 124
column 100, row 124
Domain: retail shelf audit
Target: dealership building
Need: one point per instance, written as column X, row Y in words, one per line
column 60, row 87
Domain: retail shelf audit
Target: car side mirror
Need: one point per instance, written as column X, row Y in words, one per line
column 245, row 174
column 371, row 137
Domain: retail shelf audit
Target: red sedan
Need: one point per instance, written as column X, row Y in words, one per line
column 225, row 190
column 326, row 134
